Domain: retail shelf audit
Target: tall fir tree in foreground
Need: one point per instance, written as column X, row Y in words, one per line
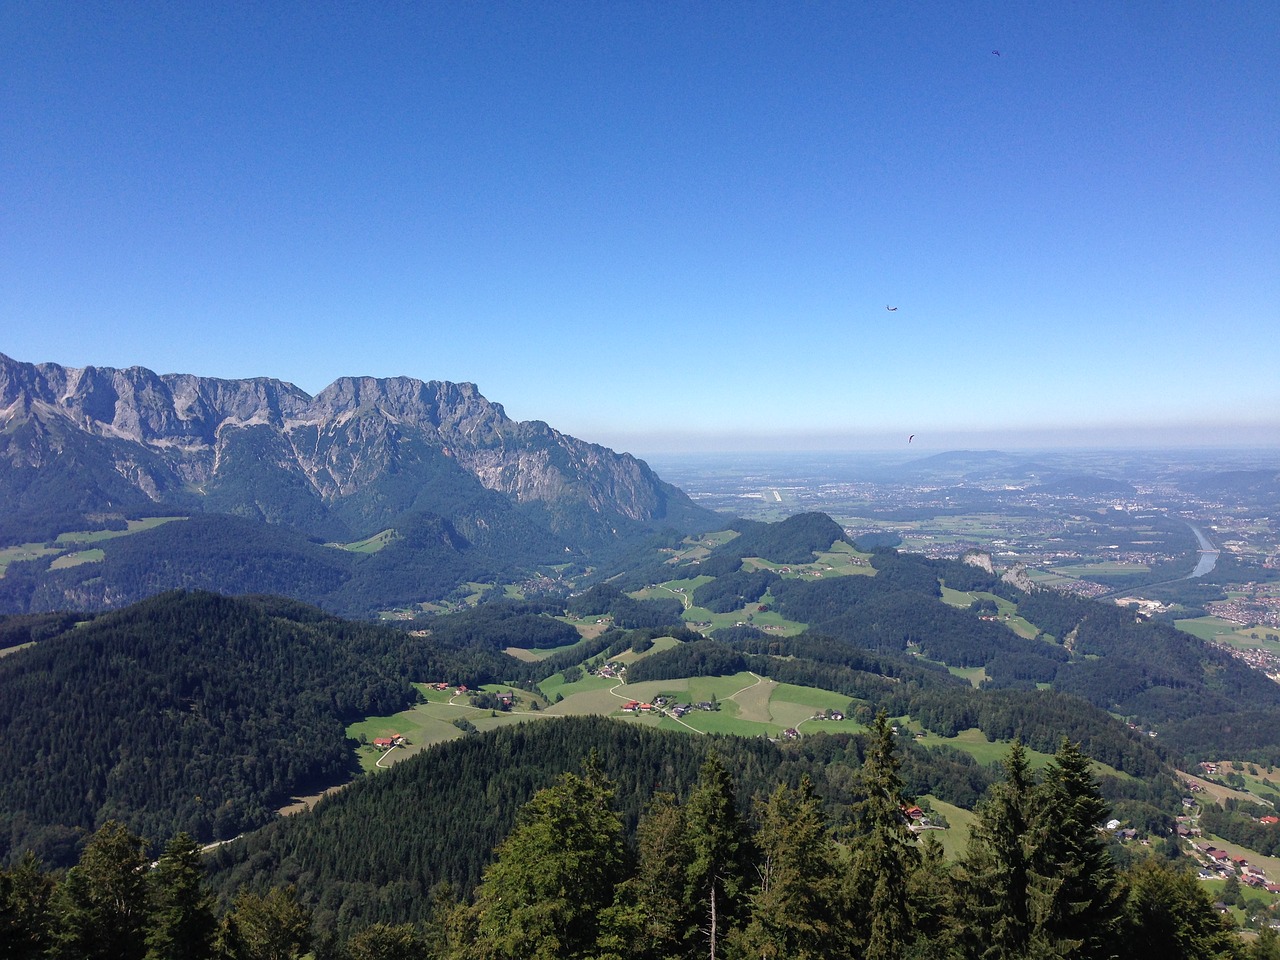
column 995, row 872
column 1037, row 879
column 718, row 851
column 1076, row 898
column 884, row 853
column 102, row 903
column 793, row 907
column 182, row 924
column 646, row 921
column 554, row 876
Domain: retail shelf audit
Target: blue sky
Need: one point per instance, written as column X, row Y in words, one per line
column 665, row 226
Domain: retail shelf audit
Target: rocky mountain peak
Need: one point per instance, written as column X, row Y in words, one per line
column 264, row 447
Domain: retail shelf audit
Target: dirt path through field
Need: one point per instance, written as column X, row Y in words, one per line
column 753, row 701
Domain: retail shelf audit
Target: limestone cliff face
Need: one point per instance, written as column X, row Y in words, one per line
column 168, row 432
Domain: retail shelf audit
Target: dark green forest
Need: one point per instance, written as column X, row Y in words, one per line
column 191, row 711
column 717, row 851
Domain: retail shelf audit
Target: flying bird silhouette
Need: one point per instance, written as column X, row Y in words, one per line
column 995, row 53
column 889, row 308
column 910, row 438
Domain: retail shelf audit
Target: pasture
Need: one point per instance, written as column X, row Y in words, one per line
column 1233, row 634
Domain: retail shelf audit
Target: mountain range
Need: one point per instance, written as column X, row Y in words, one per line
column 432, row 469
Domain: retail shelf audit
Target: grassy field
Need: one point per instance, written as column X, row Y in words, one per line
column 97, row 536
column 1231, row 633
column 750, row 706
column 975, row 675
column 986, row 752
column 370, row 544
column 1258, row 779
column 24, row 551
column 1006, row 610
column 955, row 839
column 431, row 722
column 76, row 558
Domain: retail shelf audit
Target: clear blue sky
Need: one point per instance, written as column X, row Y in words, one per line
column 665, row 226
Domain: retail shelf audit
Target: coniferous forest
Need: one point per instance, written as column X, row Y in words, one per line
column 735, row 855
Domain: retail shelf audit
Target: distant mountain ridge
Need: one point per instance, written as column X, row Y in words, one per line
column 79, row 446
column 184, row 429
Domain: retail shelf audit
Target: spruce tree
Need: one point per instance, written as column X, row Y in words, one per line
column 182, row 923
column 995, row 872
column 884, row 853
column 554, row 874
column 1169, row 916
column 933, row 899
column 794, row 907
column 1075, row 897
column 718, row 848
column 646, row 921
column 102, row 902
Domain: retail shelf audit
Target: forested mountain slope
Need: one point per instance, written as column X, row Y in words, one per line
column 188, row 712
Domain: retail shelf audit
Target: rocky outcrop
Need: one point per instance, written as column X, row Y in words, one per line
column 980, row 559
column 178, row 432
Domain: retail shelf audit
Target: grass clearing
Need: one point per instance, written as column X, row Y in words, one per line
column 24, row 551
column 975, row 743
column 1206, row 628
column 955, row 838
column 5, row 651
column 369, row 544
column 975, row 675
column 753, row 701
column 75, row 559
column 659, row 644
column 97, row 536
column 1218, row 630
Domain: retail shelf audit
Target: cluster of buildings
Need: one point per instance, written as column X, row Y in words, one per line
column 1262, row 611
column 1219, row 863
column 665, row 704
column 459, row 690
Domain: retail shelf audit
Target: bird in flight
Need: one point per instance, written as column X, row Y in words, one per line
column 890, row 309
column 910, row 438
column 995, row 53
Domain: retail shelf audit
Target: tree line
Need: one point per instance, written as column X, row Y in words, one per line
column 703, row 874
